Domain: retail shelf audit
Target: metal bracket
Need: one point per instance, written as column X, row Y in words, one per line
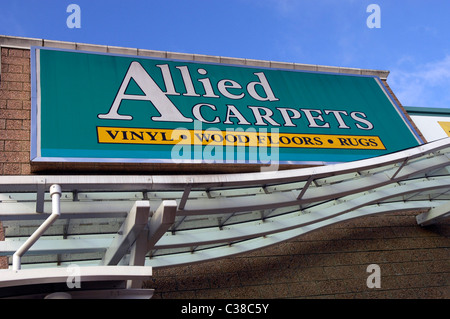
column 310, row 179
column 162, row 219
column 405, row 161
column 40, row 195
column 185, row 196
column 131, row 228
column 433, row 215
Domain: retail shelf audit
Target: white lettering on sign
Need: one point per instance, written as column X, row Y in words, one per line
column 168, row 111
column 258, row 88
column 152, row 93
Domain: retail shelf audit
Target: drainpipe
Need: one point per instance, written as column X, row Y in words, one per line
column 55, row 193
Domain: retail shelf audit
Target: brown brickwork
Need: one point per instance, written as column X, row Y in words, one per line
column 15, row 112
column 328, row 263
column 15, row 115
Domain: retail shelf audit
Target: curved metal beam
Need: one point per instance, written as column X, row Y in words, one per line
column 246, row 246
column 260, row 209
column 29, row 183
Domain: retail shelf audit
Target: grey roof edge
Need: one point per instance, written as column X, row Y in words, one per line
column 427, row 111
column 26, row 43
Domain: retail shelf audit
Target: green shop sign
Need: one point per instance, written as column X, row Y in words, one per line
column 94, row 107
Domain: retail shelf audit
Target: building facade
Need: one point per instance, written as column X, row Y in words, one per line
column 333, row 261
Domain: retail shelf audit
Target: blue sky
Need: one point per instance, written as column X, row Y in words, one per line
column 413, row 41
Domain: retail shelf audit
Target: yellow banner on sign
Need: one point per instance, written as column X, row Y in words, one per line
column 445, row 126
column 252, row 138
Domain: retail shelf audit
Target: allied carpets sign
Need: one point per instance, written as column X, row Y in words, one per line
column 94, row 107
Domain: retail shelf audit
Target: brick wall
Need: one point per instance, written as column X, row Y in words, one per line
column 15, row 112
column 328, row 263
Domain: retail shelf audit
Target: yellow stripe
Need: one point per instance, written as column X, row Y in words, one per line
column 122, row 135
column 445, row 126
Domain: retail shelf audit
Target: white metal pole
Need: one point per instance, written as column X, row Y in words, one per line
column 55, row 193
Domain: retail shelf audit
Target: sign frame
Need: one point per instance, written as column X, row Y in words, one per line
column 36, row 124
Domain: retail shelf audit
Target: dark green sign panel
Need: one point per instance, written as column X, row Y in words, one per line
column 93, row 107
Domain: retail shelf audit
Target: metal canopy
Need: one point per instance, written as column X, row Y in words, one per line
column 164, row 221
